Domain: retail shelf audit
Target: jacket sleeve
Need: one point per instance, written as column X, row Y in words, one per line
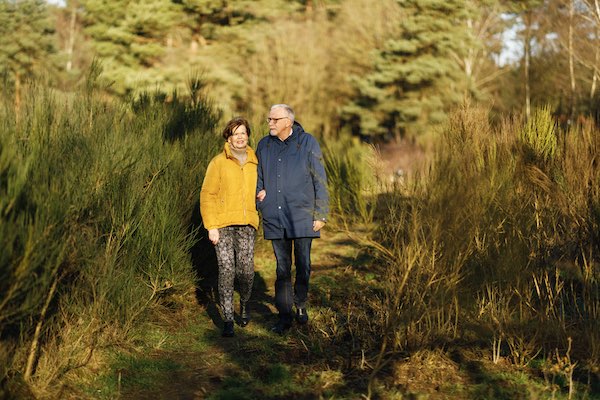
column 209, row 195
column 260, row 185
column 319, row 179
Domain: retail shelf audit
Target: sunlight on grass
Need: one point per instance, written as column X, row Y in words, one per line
column 131, row 372
column 456, row 283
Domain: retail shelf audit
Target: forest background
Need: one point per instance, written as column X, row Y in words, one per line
column 385, row 68
column 483, row 260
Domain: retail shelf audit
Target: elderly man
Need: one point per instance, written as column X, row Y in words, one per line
column 293, row 200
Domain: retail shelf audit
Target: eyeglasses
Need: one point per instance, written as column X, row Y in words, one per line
column 269, row 120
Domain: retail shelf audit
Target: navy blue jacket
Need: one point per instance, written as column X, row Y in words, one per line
column 293, row 175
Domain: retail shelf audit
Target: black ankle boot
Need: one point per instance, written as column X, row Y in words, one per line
column 227, row 329
column 282, row 325
column 244, row 314
column 301, row 316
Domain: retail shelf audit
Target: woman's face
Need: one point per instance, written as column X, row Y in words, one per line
column 239, row 139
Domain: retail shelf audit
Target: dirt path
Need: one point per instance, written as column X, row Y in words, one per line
column 192, row 361
column 400, row 158
column 184, row 356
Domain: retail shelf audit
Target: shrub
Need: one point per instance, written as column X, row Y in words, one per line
column 96, row 198
column 500, row 230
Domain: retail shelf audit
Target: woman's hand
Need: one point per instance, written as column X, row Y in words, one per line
column 213, row 235
column 261, row 195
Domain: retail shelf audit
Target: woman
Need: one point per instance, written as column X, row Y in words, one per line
column 228, row 208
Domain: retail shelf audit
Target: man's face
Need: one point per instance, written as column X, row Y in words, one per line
column 239, row 139
column 279, row 123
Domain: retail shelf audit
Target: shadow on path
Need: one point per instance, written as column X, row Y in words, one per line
column 204, row 262
column 311, row 361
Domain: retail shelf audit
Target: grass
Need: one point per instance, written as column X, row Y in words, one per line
column 89, row 190
column 475, row 278
column 135, row 374
column 184, row 356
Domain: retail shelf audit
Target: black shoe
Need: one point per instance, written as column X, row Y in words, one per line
column 301, row 316
column 244, row 314
column 227, row 329
column 281, row 327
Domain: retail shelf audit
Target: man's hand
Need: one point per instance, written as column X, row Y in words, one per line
column 213, row 235
column 317, row 225
column 261, row 195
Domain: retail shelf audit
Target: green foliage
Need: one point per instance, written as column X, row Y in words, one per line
column 539, row 135
column 28, row 45
column 415, row 78
column 142, row 372
column 495, row 237
column 128, row 37
column 96, row 198
column 388, row 68
column 131, row 373
column 277, row 374
column 349, row 166
column 284, row 76
column 205, row 18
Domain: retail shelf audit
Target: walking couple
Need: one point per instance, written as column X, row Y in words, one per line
column 285, row 180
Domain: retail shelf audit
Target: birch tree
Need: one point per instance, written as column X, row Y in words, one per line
column 530, row 15
column 592, row 15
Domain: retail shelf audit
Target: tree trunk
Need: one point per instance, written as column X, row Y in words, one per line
column 595, row 71
column 468, row 61
column 571, row 61
column 527, row 58
column 309, row 6
column 33, row 351
column 71, row 42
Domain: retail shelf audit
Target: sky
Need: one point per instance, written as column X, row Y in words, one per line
column 511, row 49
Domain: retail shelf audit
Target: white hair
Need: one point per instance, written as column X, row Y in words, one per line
column 287, row 109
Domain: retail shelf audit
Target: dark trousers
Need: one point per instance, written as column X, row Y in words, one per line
column 284, row 299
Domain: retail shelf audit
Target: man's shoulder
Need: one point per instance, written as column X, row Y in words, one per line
column 262, row 142
column 308, row 138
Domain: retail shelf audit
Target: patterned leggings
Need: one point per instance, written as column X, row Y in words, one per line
column 235, row 255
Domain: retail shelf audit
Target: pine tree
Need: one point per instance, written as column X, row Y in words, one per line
column 130, row 38
column 415, row 78
column 205, row 18
column 27, row 44
column 201, row 15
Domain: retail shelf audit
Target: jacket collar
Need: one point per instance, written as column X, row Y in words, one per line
column 251, row 155
column 297, row 131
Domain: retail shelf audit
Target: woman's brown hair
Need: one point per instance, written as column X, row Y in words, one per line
column 233, row 124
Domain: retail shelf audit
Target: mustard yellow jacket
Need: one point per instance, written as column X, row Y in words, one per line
column 228, row 195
